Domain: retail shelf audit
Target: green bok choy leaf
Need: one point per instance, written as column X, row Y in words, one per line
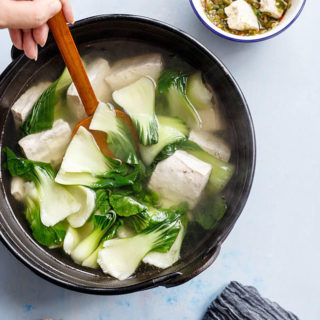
column 173, row 85
column 120, row 140
column 121, row 257
column 171, row 130
column 47, row 236
column 138, row 99
column 101, row 222
column 84, row 164
column 42, row 114
column 56, row 202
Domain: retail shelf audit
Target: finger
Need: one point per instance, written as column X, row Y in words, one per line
column 40, row 34
column 30, row 47
column 67, row 11
column 16, row 38
column 27, row 14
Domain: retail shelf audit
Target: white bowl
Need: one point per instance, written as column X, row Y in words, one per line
column 290, row 16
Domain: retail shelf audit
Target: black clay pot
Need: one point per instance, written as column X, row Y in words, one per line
column 197, row 255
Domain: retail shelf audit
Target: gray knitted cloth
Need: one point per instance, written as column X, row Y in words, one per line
column 238, row 302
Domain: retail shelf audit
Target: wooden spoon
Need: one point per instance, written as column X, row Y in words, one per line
column 71, row 57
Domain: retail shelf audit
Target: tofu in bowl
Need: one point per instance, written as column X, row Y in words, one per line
column 247, row 20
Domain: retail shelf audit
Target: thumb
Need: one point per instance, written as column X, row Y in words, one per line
column 27, row 14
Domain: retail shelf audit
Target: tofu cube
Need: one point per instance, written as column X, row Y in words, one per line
column 49, row 145
column 241, row 16
column 23, row 106
column 97, row 69
column 214, row 145
column 127, row 71
column 212, row 120
column 270, row 6
column 180, row 178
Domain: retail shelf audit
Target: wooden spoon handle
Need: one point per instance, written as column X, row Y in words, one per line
column 71, row 57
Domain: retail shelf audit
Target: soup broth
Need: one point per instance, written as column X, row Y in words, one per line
column 148, row 170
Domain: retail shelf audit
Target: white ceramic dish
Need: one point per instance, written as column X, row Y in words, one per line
column 290, row 16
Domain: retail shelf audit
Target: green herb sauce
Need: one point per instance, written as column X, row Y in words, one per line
column 214, row 10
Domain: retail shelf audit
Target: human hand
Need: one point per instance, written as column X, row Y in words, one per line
column 27, row 21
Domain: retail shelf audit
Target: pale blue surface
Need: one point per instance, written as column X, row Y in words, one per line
column 275, row 244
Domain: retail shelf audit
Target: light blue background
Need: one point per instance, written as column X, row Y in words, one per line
column 275, row 243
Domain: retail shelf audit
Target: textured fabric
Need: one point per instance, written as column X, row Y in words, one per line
column 238, row 302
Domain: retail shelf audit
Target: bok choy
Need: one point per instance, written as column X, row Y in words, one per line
column 138, row 99
column 173, row 85
column 101, row 223
column 221, row 171
column 166, row 259
column 198, row 94
column 42, row 114
column 209, row 211
column 121, row 257
column 118, row 188
column 86, row 197
column 92, row 260
column 47, row 236
column 75, row 235
column 135, row 213
column 55, row 201
column 83, row 162
column 120, row 140
column 171, row 130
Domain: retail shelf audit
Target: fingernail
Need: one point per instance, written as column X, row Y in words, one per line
column 73, row 21
column 44, row 41
column 36, row 58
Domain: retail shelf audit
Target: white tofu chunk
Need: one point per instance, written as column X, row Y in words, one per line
column 49, row 145
column 241, row 16
column 22, row 107
column 212, row 120
column 180, row 178
column 270, row 6
column 127, row 71
column 97, row 69
column 212, row 144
